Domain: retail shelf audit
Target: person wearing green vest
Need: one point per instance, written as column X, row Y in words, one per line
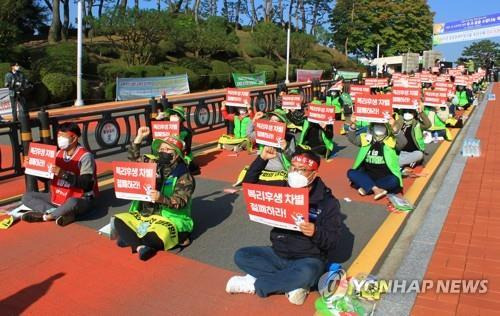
column 317, row 137
column 242, row 120
column 463, row 97
column 295, row 118
column 470, row 66
column 166, row 221
column 413, row 122
column 276, row 168
column 342, row 102
column 376, row 167
column 439, row 116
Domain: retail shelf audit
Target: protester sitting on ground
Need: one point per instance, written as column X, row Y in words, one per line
column 178, row 114
column 276, row 168
column 317, row 137
column 74, row 186
column 241, row 120
column 341, row 100
column 439, row 116
column 165, row 222
column 283, row 89
column 296, row 260
column 413, row 122
column 376, row 167
column 295, row 118
column 463, row 97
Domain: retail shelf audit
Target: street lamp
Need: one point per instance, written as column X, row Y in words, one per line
column 287, row 53
column 79, row 100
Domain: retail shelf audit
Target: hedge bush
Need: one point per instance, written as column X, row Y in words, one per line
column 110, row 91
column 220, row 77
column 241, row 65
column 263, row 61
column 270, row 72
column 60, row 86
column 195, row 81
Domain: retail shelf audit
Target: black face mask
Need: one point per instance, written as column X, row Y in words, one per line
column 165, row 158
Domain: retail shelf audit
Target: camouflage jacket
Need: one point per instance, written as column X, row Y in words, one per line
column 184, row 187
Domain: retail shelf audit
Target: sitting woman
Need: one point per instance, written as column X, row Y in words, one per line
column 317, row 137
column 241, row 121
column 376, row 168
column 413, row 122
column 276, row 168
column 165, row 222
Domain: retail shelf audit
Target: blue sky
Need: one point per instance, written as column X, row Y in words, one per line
column 446, row 11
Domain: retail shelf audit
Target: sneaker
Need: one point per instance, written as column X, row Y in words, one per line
column 146, row 253
column 297, row 296
column 361, row 191
column 65, row 219
column 32, row 217
column 379, row 194
column 241, row 284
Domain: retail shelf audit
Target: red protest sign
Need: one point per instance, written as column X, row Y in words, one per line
column 426, row 78
column 373, row 108
column 291, row 102
column 134, row 180
column 321, row 114
column 237, row 97
column 435, row 98
column 41, row 158
column 435, row 69
column 358, row 89
column 405, row 98
column 281, row 207
column 376, row 82
column 162, row 129
column 269, row 133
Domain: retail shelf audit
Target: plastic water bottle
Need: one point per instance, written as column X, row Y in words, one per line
column 465, row 148
column 435, row 137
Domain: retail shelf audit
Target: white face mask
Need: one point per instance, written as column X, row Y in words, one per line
column 174, row 118
column 243, row 112
column 407, row 116
column 63, row 142
column 16, row 68
column 379, row 130
column 297, row 180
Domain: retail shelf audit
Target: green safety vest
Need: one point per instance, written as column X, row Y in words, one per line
column 240, row 126
column 335, row 102
column 181, row 218
column 418, row 136
column 305, row 128
column 462, row 98
column 390, row 156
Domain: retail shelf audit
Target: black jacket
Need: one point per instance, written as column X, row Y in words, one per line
column 294, row 244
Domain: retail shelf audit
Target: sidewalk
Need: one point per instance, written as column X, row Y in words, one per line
column 469, row 242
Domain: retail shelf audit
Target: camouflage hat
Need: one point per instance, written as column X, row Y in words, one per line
column 172, row 141
column 279, row 113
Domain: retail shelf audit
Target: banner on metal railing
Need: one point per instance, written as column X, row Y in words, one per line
column 143, row 88
column 249, row 80
column 466, row 30
column 5, row 107
column 304, row 75
column 347, row 75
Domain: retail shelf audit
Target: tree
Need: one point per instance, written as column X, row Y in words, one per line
column 136, row 32
column 206, row 38
column 481, row 52
column 19, row 20
column 55, row 26
column 396, row 25
column 301, row 46
column 269, row 37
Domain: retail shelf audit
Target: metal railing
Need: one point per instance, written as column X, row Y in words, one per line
column 108, row 131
